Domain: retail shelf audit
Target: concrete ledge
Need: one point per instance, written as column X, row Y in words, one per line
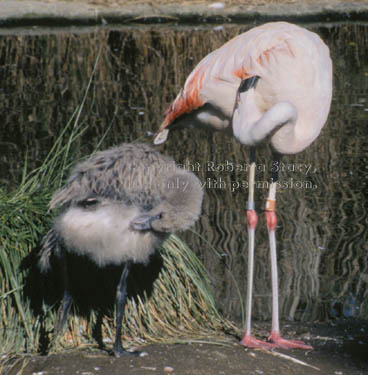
column 38, row 13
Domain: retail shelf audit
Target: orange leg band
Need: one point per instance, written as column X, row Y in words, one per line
column 271, row 220
column 252, row 218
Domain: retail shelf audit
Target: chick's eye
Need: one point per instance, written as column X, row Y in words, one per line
column 157, row 217
column 88, row 203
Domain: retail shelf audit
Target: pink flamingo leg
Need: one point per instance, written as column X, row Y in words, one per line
column 275, row 336
column 252, row 219
column 249, row 340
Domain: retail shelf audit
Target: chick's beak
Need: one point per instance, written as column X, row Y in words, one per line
column 143, row 222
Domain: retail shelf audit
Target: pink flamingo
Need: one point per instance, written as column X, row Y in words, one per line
column 272, row 82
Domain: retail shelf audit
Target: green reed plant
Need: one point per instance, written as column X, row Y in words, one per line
column 24, row 219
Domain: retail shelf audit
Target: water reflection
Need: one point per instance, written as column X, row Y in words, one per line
column 322, row 206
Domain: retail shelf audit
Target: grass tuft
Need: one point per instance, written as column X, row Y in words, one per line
column 181, row 307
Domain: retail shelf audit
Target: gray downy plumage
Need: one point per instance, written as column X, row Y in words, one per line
column 117, row 208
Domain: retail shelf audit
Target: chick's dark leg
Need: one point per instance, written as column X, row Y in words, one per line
column 63, row 312
column 67, row 297
column 121, row 294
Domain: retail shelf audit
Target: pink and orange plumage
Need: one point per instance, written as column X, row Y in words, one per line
column 293, row 65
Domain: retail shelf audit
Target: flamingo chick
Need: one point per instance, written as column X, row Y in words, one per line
column 117, row 208
column 273, row 82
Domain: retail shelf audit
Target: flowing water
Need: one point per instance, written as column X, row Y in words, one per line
column 322, row 204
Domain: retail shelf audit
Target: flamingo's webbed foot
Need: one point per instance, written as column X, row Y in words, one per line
column 251, row 342
column 280, row 342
